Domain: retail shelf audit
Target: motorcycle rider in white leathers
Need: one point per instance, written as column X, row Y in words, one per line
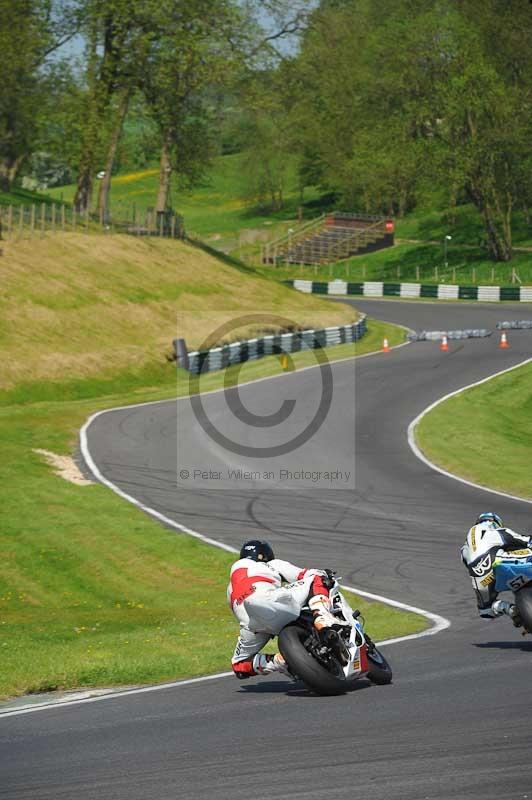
column 485, row 540
column 263, row 605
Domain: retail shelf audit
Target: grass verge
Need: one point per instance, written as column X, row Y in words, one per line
column 416, row 263
column 89, row 306
column 220, row 211
column 92, row 591
column 484, row 434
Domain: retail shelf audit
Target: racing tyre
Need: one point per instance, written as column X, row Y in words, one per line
column 305, row 666
column 523, row 601
column 380, row 671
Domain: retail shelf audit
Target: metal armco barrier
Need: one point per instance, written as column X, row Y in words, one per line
column 491, row 294
column 237, row 352
column 522, row 324
column 435, row 336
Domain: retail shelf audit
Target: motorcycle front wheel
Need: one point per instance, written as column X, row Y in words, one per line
column 306, row 667
column 380, row 671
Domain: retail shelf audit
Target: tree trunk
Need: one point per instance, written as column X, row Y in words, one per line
column 105, row 185
column 165, row 174
column 9, row 169
column 497, row 225
column 86, row 162
column 453, row 199
column 500, row 249
column 5, row 184
column 101, row 77
column 403, row 199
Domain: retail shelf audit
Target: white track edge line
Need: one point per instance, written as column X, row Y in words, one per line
column 440, row 623
column 411, row 433
column 110, row 695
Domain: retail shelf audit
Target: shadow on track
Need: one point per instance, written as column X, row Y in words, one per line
column 294, row 689
column 526, row 647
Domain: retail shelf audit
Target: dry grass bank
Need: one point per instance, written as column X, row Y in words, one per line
column 78, row 305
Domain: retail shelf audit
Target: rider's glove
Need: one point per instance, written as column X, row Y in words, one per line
column 329, row 578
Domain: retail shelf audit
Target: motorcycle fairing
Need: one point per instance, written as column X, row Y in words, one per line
column 512, row 573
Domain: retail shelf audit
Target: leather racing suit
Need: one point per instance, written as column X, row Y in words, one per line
column 263, row 606
column 483, row 543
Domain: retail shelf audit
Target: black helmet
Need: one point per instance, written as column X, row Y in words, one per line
column 489, row 516
column 257, row 550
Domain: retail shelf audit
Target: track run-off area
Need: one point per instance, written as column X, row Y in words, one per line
column 455, row 721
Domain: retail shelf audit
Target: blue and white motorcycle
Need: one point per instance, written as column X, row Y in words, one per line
column 513, row 573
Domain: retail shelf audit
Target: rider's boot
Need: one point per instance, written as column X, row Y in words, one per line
column 500, row 607
column 266, row 663
column 320, row 606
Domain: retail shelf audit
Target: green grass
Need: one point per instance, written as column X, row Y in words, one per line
column 219, row 214
column 91, row 589
column 154, row 378
column 19, row 197
column 76, row 305
column 419, row 254
column 464, row 224
column 216, row 212
column 485, row 434
column 415, row 263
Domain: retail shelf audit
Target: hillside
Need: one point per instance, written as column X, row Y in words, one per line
column 91, row 305
column 218, row 211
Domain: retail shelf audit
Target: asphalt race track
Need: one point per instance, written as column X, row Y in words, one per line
column 455, row 723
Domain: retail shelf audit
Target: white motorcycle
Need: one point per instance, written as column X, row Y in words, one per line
column 329, row 662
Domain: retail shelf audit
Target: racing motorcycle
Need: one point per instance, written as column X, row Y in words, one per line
column 330, row 661
column 513, row 573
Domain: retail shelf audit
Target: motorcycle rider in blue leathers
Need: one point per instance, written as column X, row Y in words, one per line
column 486, row 539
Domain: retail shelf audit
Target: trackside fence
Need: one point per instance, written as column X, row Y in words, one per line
column 26, row 221
column 487, row 294
column 200, row 361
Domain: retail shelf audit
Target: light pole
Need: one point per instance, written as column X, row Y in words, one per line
column 446, row 240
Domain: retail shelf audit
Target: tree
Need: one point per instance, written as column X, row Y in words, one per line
column 189, row 53
column 110, row 31
column 460, row 104
column 30, row 31
column 396, row 93
column 265, row 135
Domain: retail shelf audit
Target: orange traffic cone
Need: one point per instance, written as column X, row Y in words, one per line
column 503, row 344
column 385, row 346
column 444, row 344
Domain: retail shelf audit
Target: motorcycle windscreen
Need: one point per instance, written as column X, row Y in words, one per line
column 512, row 575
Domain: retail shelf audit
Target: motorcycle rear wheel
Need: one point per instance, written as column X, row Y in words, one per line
column 523, row 601
column 305, row 666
